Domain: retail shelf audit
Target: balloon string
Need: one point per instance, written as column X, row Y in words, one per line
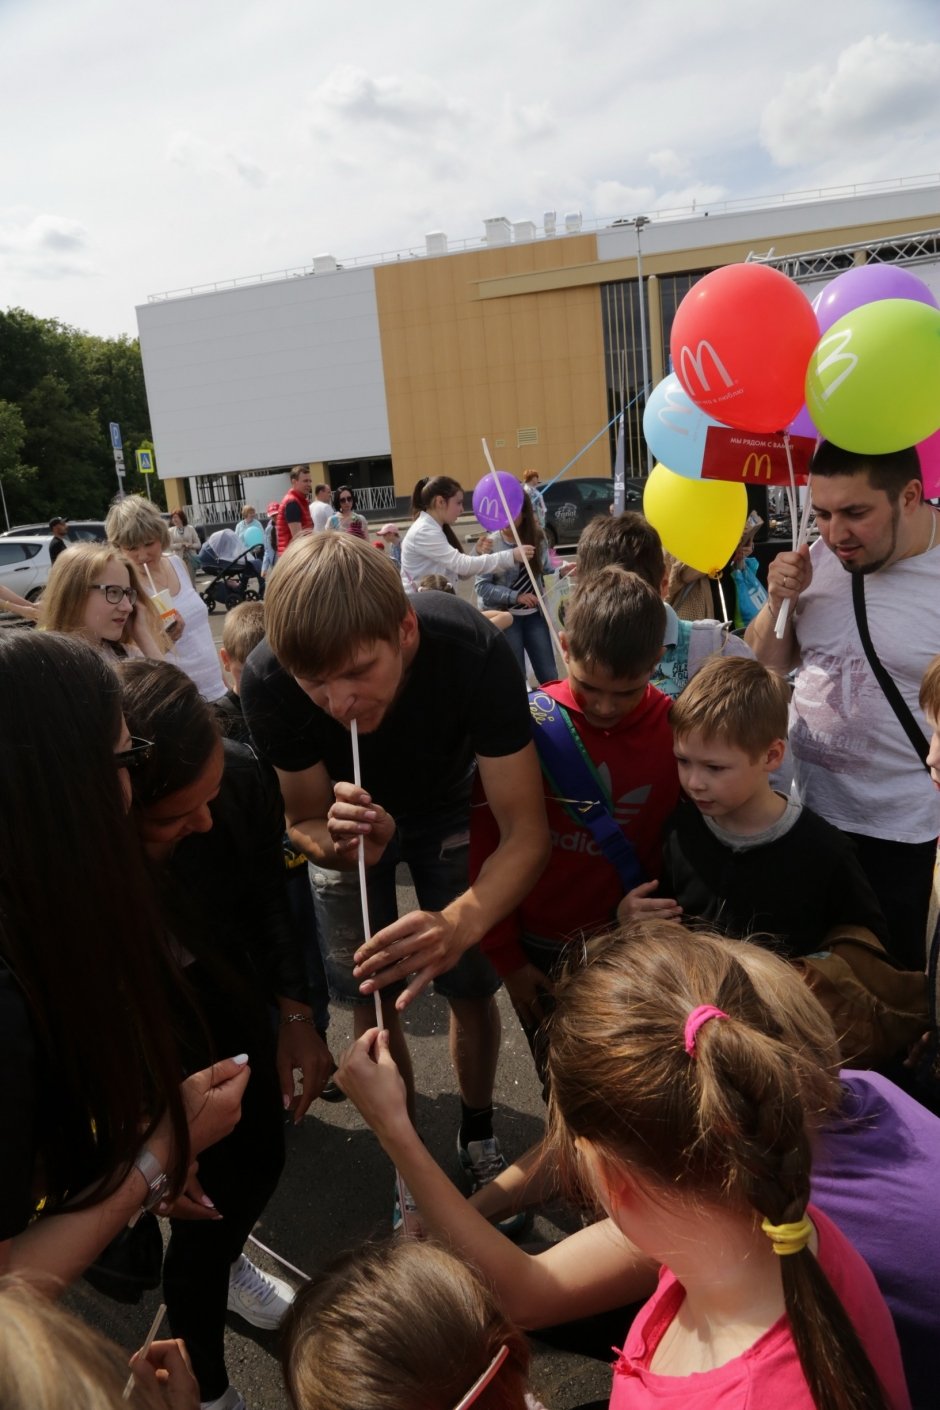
column 798, row 540
column 519, row 544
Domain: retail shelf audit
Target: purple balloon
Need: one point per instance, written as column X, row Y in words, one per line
column 803, row 425
column 867, row 284
column 487, row 505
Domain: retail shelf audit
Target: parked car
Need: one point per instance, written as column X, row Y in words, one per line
column 25, row 564
column 81, row 531
column 571, row 504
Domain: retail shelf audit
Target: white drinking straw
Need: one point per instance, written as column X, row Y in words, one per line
column 519, row 544
column 148, row 1343
column 367, row 932
column 153, row 586
column 363, row 893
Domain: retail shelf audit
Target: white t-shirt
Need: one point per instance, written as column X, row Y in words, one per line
column 853, row 763
column 321, row 511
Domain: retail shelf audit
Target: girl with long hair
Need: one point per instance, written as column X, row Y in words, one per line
column 94, row 591
column 209, row 818
column 431, row 544
column 510, row 590
column 681, row 1101
column 91, row 1106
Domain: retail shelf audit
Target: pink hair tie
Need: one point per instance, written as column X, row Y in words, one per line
column 694, row 1022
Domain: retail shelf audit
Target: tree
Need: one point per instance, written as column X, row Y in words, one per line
column 14, row 475
column 66, row 386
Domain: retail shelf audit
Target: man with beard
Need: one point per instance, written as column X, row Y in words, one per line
column 853, row 762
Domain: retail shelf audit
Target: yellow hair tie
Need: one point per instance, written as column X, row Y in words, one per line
column 788, row 1238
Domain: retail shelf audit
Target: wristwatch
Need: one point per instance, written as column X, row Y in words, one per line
column 155, row 1176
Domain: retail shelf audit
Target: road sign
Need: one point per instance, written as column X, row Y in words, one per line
column 144, row 461
column 115, row 430
column 121, row 471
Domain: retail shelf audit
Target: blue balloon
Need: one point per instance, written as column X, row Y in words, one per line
column 675, row 428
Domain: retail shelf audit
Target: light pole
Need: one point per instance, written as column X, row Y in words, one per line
column 638, row 223
column 4, row 498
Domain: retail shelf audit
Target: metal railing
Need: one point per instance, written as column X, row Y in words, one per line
column 369, row 499
column 918, row 248
column 668, row 213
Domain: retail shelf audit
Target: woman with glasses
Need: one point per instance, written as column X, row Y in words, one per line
column 346, row 519
column 94, row 592
column 97, row 1122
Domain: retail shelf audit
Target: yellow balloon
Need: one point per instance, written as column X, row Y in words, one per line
column 699, row 521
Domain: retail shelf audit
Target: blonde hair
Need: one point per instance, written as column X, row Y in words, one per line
column 730, row 1126
column 930, row 691
column 331, row 594
column 49, row 1360
column 244, row 628
column 71, row 580
column 397, row 1326
column 735, row 700
column 133, row 523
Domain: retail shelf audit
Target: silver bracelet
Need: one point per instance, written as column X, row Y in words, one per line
column 297, row 1018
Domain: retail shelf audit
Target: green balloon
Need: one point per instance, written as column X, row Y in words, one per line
column 873, row 382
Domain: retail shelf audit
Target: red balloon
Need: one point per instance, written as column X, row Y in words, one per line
column 741, row 343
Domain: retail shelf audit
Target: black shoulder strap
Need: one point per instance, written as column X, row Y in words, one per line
column 893, row 696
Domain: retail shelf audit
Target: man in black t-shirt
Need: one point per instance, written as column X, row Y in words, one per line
column 59, row 529
column 434, row 689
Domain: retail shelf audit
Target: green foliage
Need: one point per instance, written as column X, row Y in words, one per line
column 59, row 389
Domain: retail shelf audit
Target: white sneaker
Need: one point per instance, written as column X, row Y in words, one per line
column 260, row 1299
column 231, row 1400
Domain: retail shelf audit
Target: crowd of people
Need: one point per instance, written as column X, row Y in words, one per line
column 665, row 849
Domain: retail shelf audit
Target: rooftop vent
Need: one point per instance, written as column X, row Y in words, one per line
column 572, row 222
column 435, row 242
column 498, row 230
column 324, row 264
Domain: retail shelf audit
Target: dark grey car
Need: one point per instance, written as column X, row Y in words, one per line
column 571, row 504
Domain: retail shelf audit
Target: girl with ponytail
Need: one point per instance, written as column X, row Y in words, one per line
column 431, row 545
column 685, row 1093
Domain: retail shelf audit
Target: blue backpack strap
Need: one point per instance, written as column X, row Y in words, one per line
column 577, row 785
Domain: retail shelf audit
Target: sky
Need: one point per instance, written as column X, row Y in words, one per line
column 151, row 147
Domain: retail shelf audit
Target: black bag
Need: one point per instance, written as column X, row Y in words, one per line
column 132, row 1263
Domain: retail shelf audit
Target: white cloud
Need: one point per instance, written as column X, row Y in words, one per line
column 877, row 90
column 186, row 150
column 668, row 164
column 43, row 245
column 411, row 102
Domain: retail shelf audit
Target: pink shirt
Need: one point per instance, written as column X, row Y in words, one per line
column 768, row 1375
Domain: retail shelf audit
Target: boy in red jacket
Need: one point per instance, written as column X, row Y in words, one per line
column 612, row 642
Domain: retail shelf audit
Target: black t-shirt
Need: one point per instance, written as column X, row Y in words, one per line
column 291, row 512
column 57, row 546
column 462, row 696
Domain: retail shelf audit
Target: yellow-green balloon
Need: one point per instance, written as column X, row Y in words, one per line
column 699, row 521
column 873, row 382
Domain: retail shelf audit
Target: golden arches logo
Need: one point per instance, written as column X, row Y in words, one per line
column 755, row 466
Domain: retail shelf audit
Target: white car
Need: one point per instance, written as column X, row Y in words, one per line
column 25, row 564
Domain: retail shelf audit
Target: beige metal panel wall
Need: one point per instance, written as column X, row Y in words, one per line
column 459, row 366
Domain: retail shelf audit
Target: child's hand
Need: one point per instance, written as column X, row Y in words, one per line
column 167, row 1369
column 369, row 1077
column 641, row 904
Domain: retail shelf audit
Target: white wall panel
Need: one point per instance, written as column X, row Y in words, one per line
column 271, row 374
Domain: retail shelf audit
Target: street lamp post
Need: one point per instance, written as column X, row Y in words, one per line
column 638, row 223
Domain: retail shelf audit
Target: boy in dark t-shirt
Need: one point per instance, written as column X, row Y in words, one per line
column 737, row 855
column 434, row 689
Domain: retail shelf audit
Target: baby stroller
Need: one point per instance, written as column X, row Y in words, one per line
column 235, row 573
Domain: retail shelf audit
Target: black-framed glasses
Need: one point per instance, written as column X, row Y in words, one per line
column 139, row 752
column 113, row 593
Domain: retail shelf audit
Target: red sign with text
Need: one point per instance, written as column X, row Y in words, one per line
column 751, row 458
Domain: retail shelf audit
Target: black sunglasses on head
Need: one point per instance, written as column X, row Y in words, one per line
column 139, row 752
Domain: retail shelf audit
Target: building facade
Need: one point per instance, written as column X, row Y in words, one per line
column 377, row 373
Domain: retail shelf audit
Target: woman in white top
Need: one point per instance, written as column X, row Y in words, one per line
column 138, row 529
column 432, row 546
column 184, row 542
